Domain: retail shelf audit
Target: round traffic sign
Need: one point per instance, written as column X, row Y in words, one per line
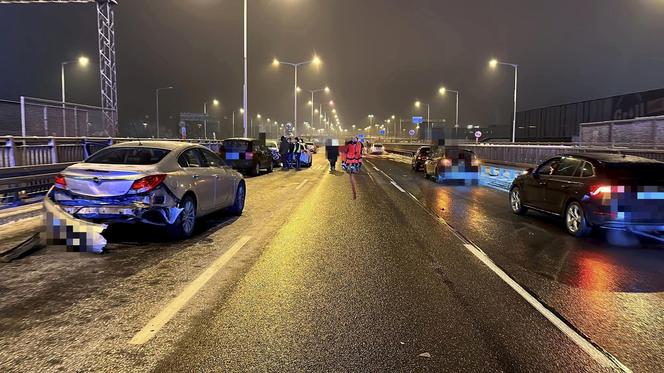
column 478, row 134
column 411, row 132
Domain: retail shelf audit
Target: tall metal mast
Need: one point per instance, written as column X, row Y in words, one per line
column 107, row 66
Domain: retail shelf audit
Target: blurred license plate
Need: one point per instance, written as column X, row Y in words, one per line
column 233, row 156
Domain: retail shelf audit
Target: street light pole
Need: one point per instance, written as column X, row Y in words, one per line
column 157, row 97
column 245, row 103
column 314, row 61
column 494, row 63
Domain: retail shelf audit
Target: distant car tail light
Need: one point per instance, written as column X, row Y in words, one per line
column 600, row 191
column 147, row 183
column 446, row 162
column 60, row 181
column 248, row 156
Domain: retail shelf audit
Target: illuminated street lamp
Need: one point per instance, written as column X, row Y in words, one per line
column 418, row 104
column 215, row 102
column 315, row 61
column 83, row 62
column 442, row 92
column 326, row 89
column 494, row 63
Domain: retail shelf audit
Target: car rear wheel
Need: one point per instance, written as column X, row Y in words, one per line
column 186, row 222
column 270, row 167
column 240, row 195
column 516, row 202
column 575, row 220
column 256, row 169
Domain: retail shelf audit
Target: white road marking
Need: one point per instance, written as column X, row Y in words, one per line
column 595, row 352
column 601, row 357
column 398, row 187
column 302, row 184
column 172, row 308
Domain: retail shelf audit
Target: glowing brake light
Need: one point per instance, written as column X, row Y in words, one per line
column 147, row 183
column 600, row 190
column 60, row 181
column 446, row 162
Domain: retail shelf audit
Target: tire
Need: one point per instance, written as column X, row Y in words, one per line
column 185, row 224
column 270, row 168
column 240, row 195
column 516, row 202
column 575, row 220
column 256, row 169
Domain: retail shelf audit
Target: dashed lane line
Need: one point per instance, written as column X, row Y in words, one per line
column 172, row 308
column 596, row 352
column 302, row 184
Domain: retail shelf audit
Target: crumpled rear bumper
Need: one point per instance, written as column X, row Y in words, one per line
column 64, row 229
column 79, row 221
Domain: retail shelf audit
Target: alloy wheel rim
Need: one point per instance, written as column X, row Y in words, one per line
column 188, row 217
column 240, row 198
column 516, row 200
column 573, row 218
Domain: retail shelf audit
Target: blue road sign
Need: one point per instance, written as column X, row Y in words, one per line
column 382, row 132
column 418, row 120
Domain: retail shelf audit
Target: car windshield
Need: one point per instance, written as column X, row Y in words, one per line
column 236, row 145
column 130, row 156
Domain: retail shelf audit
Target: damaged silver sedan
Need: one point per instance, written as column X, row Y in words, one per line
column 161, row 183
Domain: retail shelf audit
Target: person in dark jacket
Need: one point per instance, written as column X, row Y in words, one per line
column 283, row 152
column 332, row 152
column 291, row 149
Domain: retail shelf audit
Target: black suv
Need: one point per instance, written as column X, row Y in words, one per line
column 610, row 191
column 247, row 155
column 420, row 157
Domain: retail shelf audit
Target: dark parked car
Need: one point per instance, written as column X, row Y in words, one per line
column 247, row 155
column 452, row 164
column 420, row 157
column 596, row 190
column 274, row 149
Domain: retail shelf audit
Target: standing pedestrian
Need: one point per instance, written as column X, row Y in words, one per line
column 332, row 152
column 297, row 152
column 283, row 152
column 291, row 148
column 354, row 156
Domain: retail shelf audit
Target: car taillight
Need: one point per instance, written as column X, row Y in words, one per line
column 446, row 162
column 60, row 181
column 147, row 183
column 475, row 162
column 600, row 191
column 248, row 156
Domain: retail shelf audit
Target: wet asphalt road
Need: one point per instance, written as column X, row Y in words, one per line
column 328, row 283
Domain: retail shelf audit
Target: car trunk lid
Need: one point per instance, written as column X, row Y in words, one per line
column 103, row 180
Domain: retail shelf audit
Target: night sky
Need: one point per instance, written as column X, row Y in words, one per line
column 379, row 55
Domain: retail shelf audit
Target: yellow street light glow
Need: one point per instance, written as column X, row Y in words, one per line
column 310, row 103
column 418, row 104
column 442, row 90
column 316, row 60
column 327, row 89
column 275, row 62
column 83, row 61
column 241, row 110
column 331, row 103
column 298, row 89
column 258, row 116
column 334, row 110
column 493, row 63
column 393, row 117
column 316, row 111
column 215, row 102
